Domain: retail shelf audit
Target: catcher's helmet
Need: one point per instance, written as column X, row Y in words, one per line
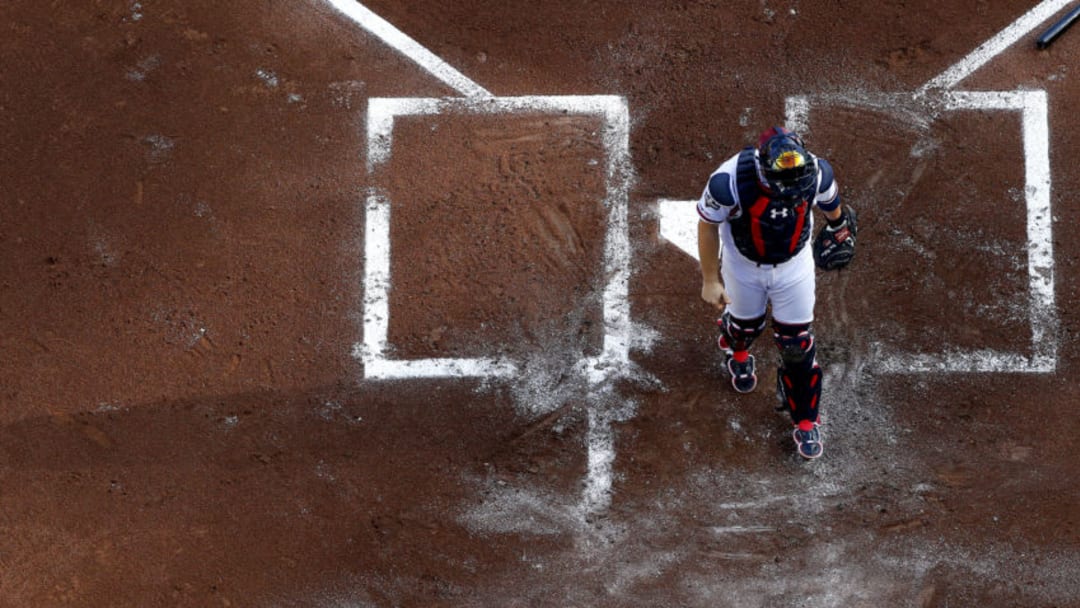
column 785, row 167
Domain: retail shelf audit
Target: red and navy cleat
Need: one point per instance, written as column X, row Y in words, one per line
column 808, row 439
column 743, row 378
column 740, row 366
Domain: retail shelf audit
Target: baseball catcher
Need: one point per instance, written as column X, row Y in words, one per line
column 754, row 228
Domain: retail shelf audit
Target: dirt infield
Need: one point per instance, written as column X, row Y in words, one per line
column 212, row 394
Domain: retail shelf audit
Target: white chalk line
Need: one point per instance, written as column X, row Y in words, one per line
column 741, row 529
column 995, row 46
column 755, row 504
column 1035, row 128
column 1036, row 143
column 401, row 42
column 374, row 351
column 614, row 358
column 600, row 455
column 1040, row 220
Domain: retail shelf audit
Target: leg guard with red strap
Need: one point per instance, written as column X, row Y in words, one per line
column 798, row 381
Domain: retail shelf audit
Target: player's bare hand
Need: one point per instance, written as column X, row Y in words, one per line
column 715, row 294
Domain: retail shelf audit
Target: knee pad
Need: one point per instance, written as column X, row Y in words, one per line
column 739, row 334
column 796, row 344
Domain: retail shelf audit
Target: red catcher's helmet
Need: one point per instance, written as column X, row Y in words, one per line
column 785, row 167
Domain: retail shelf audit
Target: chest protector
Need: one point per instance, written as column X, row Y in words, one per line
column 766, row 230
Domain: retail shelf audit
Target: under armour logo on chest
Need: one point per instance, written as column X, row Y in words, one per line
column 775, row 213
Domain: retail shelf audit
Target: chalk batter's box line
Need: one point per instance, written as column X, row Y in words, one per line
column 996, row 45
column 382, row 112
column 401, row 42
column 1032, row 106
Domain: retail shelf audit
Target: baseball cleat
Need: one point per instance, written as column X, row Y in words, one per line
column 808, row 439
column 743, row 378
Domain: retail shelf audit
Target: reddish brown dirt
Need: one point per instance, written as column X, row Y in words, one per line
column 184, row 422
column 514, row 271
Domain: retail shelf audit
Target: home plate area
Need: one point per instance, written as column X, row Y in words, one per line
column 384, row 304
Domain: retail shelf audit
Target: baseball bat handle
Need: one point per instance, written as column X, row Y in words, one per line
column 1056, row 30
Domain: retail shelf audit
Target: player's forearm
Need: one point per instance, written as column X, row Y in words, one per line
column 709, row 252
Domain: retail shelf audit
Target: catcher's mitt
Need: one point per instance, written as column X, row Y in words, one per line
column 835, row 247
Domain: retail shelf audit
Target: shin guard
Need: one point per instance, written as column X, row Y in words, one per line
column 798, row 381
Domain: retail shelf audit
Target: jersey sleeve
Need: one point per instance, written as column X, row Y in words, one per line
column 717, row 200
column 827, row 197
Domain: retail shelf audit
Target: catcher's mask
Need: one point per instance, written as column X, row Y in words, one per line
column 784, row 165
